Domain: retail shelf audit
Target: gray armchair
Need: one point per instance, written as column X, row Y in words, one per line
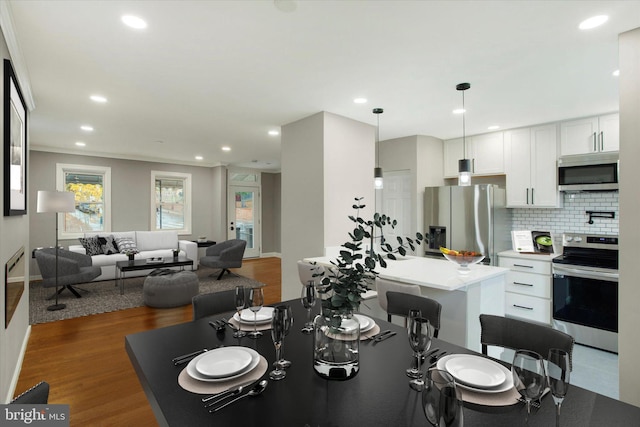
column 225, row 255
column 73, row 269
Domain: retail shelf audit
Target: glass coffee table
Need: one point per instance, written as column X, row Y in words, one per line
column 144, row 264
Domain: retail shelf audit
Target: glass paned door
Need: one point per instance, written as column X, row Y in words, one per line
column 244, row 221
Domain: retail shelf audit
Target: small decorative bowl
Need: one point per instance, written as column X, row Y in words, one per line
column 464, row 261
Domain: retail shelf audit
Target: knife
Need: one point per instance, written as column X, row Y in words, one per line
column 186, row 357
column 375, row 337
column 384, row 337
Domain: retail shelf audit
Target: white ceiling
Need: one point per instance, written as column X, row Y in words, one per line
column 210, row 73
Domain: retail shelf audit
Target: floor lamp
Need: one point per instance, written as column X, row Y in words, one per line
column 57, row 202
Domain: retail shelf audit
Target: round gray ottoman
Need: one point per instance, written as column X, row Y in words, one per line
column 167, row 288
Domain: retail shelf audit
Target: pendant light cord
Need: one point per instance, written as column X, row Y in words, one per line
column 378, row 142
column 464, row 139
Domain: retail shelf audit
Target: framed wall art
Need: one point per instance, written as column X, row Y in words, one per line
column 15, row 145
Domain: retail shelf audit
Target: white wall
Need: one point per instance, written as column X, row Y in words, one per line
column 629, row 287
column 422, row 157
column 327, row 161
column 14, row 233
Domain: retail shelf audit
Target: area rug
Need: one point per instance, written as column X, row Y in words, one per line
column 105, row 296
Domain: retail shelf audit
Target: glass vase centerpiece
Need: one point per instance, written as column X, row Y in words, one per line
column 336, row 353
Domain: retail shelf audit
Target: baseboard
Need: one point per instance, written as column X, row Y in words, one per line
column 18, row 369
column 271, row 255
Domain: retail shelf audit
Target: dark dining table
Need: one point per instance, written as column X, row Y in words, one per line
column 379, row 395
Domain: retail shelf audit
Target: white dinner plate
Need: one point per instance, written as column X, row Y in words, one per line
column 223, row 362
column 366, row 323
column 506, row 385
column 193, row 372
column 475, row 371
column 263, row 316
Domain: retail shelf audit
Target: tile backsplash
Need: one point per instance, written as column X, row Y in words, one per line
column 571, row 218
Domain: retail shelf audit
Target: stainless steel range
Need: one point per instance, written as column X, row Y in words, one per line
column 585, row 290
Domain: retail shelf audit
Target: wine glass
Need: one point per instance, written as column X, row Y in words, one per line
column 281, row 361
column 278, row 331
column 529, row 376
column 308, row 299
column 256, row 299
column 240, row 304
column 420, row 341
column 558, row 372
column 413, row 371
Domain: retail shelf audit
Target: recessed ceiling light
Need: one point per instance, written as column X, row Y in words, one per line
column 80, row 144
column 225, row 148
column 274, row 133
column 87, row 128
column 593, row 22
column 134, row 22
column 98, row 98
column 459, row 111
column 360, row 100
column 199, row 157
column 616, row 73
column 494, row 127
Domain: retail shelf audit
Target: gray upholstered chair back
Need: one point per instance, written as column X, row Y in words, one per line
column 215, row 303
column 383, row 286
column 518, row 334
column 399, row 304
column 308, row 271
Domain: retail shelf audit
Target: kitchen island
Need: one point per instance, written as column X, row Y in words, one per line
column 463, row 297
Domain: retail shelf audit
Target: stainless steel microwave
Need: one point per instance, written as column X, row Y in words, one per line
column 589, row 172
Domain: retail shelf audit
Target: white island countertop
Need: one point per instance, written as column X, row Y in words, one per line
column 430, row 272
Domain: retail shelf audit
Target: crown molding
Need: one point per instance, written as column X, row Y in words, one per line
column 17, row 60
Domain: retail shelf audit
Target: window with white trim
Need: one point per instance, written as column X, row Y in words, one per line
column 171, row 201
column 92, row 188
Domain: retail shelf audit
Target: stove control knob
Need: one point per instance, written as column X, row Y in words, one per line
column 577, row 239
column 568, row 238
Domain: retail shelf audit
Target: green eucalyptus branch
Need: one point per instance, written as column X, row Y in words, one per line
column 355, row 267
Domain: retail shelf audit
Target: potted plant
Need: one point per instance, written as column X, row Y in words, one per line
column 130, row 253
column 337, row 333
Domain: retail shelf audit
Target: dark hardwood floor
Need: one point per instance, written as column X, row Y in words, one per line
column 85, row 362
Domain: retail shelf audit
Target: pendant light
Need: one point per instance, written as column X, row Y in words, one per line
column 464, row 164
column 377, row 171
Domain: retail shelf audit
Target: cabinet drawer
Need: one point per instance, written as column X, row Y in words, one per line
column 537, row 285
column 528, row 308
column 526, row 265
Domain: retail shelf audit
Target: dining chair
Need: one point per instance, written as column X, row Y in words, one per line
column 38, row 394
column 213, row 303
column 399, row 304
column 518, row 334
column 308, row 271
column 383, row 286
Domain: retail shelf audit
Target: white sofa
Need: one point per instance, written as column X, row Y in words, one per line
column 149, row 243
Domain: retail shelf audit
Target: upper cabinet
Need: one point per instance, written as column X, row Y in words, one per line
column 531, row 156
column 485, row 151
column 590, row 135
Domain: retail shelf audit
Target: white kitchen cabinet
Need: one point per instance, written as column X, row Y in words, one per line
column 590, row 135
column 528, row 286
column 485, row 151
column 531, row 156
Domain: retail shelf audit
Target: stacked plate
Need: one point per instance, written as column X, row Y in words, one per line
column 223, row 364
column 366, row 323
column 247, row 316
column 477, row 373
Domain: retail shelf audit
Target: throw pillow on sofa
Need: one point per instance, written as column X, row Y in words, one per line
column 91, row 245
column 126, row 244
column 108, row 245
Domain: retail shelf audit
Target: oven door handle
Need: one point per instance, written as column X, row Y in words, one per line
column 586, row 274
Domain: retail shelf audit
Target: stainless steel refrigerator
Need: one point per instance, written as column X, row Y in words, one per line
column 472, row 218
